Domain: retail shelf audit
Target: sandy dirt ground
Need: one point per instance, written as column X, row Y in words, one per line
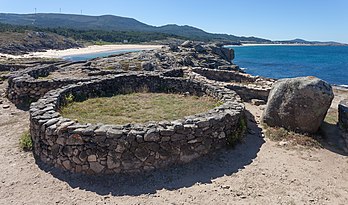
column 257, row 171
column 79, row 51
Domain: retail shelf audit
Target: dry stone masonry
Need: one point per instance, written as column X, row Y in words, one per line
column 248, row 87
column 107, row 149
column 343, row 114
column 343, row 121
column 30, row 84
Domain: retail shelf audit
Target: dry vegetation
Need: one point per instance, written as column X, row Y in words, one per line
column 280, row 134
column 137, row 108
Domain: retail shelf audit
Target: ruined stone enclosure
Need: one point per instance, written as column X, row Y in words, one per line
column 107, row 149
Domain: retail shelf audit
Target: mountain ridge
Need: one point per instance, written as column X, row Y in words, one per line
column 115, row 23
column 118, row 23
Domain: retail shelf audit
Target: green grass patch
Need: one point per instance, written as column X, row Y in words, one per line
column 137, row 108
column 25, row 141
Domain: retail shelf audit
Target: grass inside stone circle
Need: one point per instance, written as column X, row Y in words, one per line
column 137, row 108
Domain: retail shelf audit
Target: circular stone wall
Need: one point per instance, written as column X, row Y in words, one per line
column 30, row 84
column 106, row 149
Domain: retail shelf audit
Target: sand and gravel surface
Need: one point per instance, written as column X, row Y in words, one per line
column 257, row 171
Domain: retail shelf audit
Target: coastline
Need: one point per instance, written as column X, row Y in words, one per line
column 283, row 44
column 80, row 51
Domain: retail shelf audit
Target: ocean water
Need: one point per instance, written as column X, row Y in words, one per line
column 88, row 56
column 329, row 63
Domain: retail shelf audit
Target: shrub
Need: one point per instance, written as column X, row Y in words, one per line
column 25, row 142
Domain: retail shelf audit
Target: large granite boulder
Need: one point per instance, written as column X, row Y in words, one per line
column 187, row 44
column 199, row 49
column 148, row 66
column 173, row 47
column 298, row 104
column 225, row 53
column 343, row 114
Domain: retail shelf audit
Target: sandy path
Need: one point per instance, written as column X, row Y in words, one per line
column 255, row 172
column 86, row 50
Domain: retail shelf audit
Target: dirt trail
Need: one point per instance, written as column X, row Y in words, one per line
column 256, row 171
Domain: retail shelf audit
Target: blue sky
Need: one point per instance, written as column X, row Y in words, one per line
column 273, row 19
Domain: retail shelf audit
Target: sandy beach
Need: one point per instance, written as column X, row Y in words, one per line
column 86, row 50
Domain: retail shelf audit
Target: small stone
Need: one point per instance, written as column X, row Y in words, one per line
column 112, row 133
column 92, row 158
column 67, row 164
column 83, row 156
column 6, row 106
column 222, row 135
column 120, row 148
column 61, row 140
column 141, row 153
column 111, row 163
column 96, row 167
column 166, row 132
column 192, row 141
column 76, row 160
column 283, row 143
column 202, row 124
column 151, row 136
column 177, row 137
column 257, row 102
column 139, row 138
column 225, row 187
column 74, row 139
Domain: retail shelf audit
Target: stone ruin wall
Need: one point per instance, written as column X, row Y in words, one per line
column 107, row 149
column 247, row 86
column 26, row 86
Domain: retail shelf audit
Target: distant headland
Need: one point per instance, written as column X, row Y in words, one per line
column 76, row 30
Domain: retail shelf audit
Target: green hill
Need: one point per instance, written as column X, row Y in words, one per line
column 115, row 23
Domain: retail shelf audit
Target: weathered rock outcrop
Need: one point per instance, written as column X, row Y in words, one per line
column 225, row 53
column 189, row 53
column 298, row 104
column 187, row 44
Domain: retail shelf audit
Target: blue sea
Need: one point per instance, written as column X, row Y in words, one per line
column 329, row 63
column 83, row 57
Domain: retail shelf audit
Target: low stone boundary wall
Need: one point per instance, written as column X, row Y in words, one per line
column 107, row 149
column 248, row 87
column 11, row 68
column 26, row 86
column 29, row 85
column 225, row 75
column 247, row 93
